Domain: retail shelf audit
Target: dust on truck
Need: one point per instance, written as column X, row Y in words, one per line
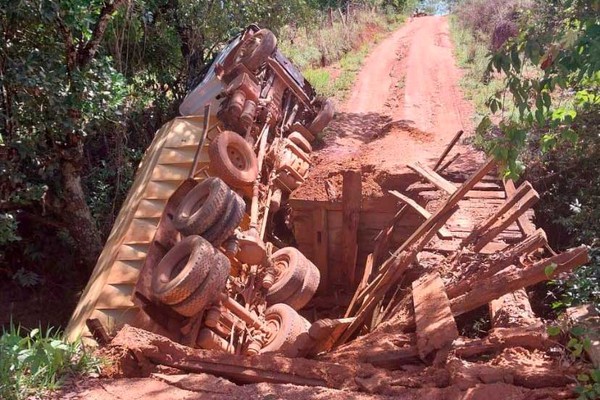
column 193, row 254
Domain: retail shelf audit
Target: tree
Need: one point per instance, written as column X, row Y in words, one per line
column 55, row 88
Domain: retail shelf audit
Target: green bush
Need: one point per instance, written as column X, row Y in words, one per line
column 33, row 362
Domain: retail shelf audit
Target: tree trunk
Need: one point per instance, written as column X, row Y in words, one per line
column 77, row 215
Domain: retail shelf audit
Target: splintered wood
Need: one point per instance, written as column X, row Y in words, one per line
column 436, row 328
column 472, row 277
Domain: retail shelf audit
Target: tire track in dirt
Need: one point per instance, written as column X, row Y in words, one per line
column 405, row 106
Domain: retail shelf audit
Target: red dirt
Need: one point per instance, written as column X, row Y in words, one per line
column 405, row 106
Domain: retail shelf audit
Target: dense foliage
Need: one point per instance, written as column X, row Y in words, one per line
column 33, row 362
column 543, row 119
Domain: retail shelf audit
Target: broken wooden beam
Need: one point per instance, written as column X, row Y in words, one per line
column 447, row 163
column 436, row 328
column 351, row 205
column 443, row 232
column 320, row 246
column 528, row 200
column 513, row 278
column 433, row 177
column 496, row 263
column 448, row 148
column 361, row 285
column 147, row 350
column 512, row 310
column 510, row 202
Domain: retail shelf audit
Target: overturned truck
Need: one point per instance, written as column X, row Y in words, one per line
column 193, row 254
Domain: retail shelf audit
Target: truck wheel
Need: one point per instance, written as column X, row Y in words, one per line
column 201, row 207
column 230, row 220
column 255, row 50
column 289, row 274
column 208, row 291
column 323, row 118
column 309, row 287
column 233, row 160
column 182, row 270
column 300, row 141
column 285, row 326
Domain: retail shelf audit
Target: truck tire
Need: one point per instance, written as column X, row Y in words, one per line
column 182, row 270
column 230, row 220
column 323, row 118
column 208, row 290
column 233, row 160
column 201, row 207
column 255, row 50
column 300, row 299
column 286, row 326
column 290, row 272
column 300, row 141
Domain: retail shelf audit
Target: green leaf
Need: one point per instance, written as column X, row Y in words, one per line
column 549, row 270
column 553, row 330
column 583, row 378
column 577, row 330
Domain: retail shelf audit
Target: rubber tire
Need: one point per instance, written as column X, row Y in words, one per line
column 323, row 118
column 300, row 299
column 259, row 55
column 291, row 327
column 222, row 166
column 172, row 290
column 231, row 219
column 190, row 220
column 292, row 278
column 208, row 291
column 300, row 141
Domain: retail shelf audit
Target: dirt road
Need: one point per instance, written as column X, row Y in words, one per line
column 405, row 106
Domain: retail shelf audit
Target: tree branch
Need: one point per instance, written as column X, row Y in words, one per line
column 86, row 53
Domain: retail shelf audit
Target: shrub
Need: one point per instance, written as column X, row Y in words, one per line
column 33, row 362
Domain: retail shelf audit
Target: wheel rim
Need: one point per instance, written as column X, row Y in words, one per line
column 236, row 157
column 273, row 325
column 280, row 266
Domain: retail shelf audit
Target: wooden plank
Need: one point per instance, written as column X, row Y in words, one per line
column 436, row 328
column 351, row 203
column 511, row 216
column 443, row 232
column 171, row 172
column 433, row 177
column 447, row 163
column 510, row 255
column 524, row 223
column 361, row 285
column 513, row 199
column 320, row 245
column 448, row 148
column 513, row 278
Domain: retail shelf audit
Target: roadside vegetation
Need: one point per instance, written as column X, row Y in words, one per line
column 34, row 362
column 331, row 52
column 533, row 72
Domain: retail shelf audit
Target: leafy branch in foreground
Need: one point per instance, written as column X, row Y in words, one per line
column 33, row 362
column 552, row 76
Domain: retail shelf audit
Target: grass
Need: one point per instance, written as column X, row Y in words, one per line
column 473, row 56
column 34, row 362
column 315, row 48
